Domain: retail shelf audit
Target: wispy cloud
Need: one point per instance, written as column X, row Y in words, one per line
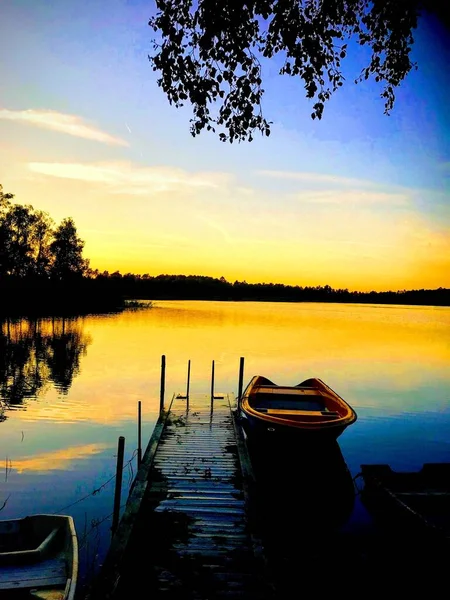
column 322, row 188
column 64, row 123
column 128, row 178
column 315, row 178
column 214, row 225
column 352, row 196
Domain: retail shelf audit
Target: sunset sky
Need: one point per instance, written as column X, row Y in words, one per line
column 357, row 200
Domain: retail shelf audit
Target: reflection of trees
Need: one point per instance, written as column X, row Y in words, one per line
column 64, row 350
column 36, row 353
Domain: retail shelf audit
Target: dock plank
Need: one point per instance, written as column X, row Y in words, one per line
column 190, row 534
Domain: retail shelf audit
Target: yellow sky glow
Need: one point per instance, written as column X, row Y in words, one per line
column 297, row 228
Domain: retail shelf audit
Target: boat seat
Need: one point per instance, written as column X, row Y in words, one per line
column 280, row 403
column 302, row 413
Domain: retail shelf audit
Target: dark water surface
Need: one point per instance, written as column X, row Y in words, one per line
column 71, row 388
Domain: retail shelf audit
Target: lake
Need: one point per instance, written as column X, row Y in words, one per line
column 72, row 387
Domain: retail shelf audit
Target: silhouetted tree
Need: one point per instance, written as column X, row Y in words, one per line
column 43, row 233
column 25, row 235
column 67, row 252
column 20, row 240
column 209, row 51
column 5, row 204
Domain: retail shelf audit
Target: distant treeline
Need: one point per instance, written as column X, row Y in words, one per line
column 105, row 292
column 197, row 287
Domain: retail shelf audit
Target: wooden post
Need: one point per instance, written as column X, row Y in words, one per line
column 188, row 383
column 212, row 383
column 118, row 490
column 241, row 377
column 139, row 449
column 163, row 382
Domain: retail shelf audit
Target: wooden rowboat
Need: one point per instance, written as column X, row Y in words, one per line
column 38, row 558
column 309, row 411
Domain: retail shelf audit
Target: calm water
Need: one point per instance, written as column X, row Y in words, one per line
column 71, row 388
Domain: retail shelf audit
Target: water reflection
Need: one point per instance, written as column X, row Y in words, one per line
column 58, row 460
column 302, row 485
column 305, row 496
column 34, row 354
column 389, row 363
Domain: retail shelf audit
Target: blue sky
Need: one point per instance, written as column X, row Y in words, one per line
column 357, row 200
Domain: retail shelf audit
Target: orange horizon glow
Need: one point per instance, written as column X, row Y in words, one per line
column 360, row 247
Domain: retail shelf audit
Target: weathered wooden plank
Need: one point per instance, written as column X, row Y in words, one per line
column 193, row 523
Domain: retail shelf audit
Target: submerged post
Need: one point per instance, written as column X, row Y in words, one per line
column 118, row 490
column 188, row 383
column 241, row 377
column 139, row 449
column 163, row 382
column 212, row 383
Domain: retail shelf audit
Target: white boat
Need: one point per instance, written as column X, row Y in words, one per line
column 38, row 558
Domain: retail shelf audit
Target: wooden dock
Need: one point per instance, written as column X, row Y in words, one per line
column 188, row 529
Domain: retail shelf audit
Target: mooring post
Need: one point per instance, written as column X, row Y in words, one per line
column 118, row 490
column 241, row 377
column 139, row 449
column 163, row 382
column 212, row 384
column 188, row 383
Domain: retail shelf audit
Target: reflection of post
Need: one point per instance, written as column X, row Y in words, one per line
column 212, row 385
column 188, row 382
column 139, row 450
column 118, row 490
column 163, row 382
column 241, row 377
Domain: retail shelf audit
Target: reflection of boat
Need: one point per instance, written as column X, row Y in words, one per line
column 304, row 497
column 38, row 557
column 293, row 479
column 310, row 409
column 414, row 502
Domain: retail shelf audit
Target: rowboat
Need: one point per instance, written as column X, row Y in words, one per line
column 415, row 502
column 310, row 410
column 38, row 557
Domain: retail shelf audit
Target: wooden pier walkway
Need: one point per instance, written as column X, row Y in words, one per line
column 188, row 530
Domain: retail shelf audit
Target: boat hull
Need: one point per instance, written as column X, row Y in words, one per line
column 310, row 411
column 258, row 429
